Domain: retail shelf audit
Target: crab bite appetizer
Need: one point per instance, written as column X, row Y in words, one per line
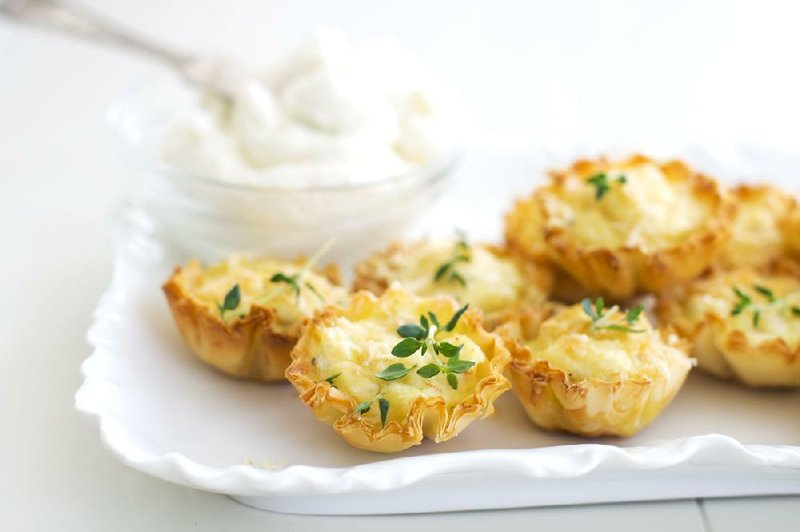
column 244, row 315
column 759, row 234
column 386, row 371
column 743, row 325
column 621, row 228
column 480, row 275
column 593, row 370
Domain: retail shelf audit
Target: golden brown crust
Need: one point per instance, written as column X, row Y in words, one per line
column 725, row 345
column 430, row 416
column 376, row 273
column 252, row 347
column 791, row 230
column 623, row 271
column 611, row 406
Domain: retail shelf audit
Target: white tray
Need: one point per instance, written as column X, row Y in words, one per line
column 164, row 413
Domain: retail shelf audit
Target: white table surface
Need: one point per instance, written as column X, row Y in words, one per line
column 678, row 68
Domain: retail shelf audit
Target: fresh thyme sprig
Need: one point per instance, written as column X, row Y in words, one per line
column 330, row 379
column 422, row 337
column 596, row 313
column 447, row 270
column 383, row 406
column 602, row 185
column 231, row 301
column 745, row 302
column 296, row 282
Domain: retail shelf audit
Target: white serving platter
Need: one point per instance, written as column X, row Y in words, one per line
column 162, row 412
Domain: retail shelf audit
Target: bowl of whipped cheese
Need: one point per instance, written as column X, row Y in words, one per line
column 334, row 140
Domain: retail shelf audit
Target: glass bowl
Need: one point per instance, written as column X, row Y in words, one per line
column 201, row 216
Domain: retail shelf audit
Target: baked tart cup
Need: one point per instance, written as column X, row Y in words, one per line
column 791, row 230
column 371, row 371
column 759, row 232
column 632, row 226
column 524, row 236
column 484, row 276
column 524, row 229
column 236, row 318
column 593, row 371
column 742, row 325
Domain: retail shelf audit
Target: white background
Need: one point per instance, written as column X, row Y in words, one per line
column 707, row 71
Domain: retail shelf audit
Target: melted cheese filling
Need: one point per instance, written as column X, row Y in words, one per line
column 646, row 211
column 253, row 277
column 775, row 319
column 568, row 342
column 357, row 350
column 756, row 236
column 493, row 283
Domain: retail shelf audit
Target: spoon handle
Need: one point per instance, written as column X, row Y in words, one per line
column 81, row 22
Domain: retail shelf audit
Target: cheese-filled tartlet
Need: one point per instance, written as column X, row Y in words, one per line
column 592, row 370
column 743, row 325
column 388, row 370
column 244, row 315
column 632, row 226
column 759, row 233
column 483, row 276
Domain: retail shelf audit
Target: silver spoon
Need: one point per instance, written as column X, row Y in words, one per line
column 215, row 75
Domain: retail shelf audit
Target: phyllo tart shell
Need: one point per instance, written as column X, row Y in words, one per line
column 253, row 339
column 342, row 350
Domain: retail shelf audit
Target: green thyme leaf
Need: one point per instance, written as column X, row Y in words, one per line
column 742, row 303
column 429, row 370
column 447, row 270
column 291, row 280
column 393, row 372
column 457, row 277
column 383, row 405
column 599, row 306
column 633, row 314
column 454, row 320
column 296, row 281
column 595, row 312
column 364, row 407
column 434, row 320
column 766, row 292
column 313, row 290
column 406, row 347
column 756, row 318
column 449, row 350
column 795, row 311
column 452, row 380
column 412, row 330
column 586, row 304
column 441, row 271
column 330, row 379
column 600, row 184
column 456, row 365
column 623, row 328
column 424, row 322
column 231, row 301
